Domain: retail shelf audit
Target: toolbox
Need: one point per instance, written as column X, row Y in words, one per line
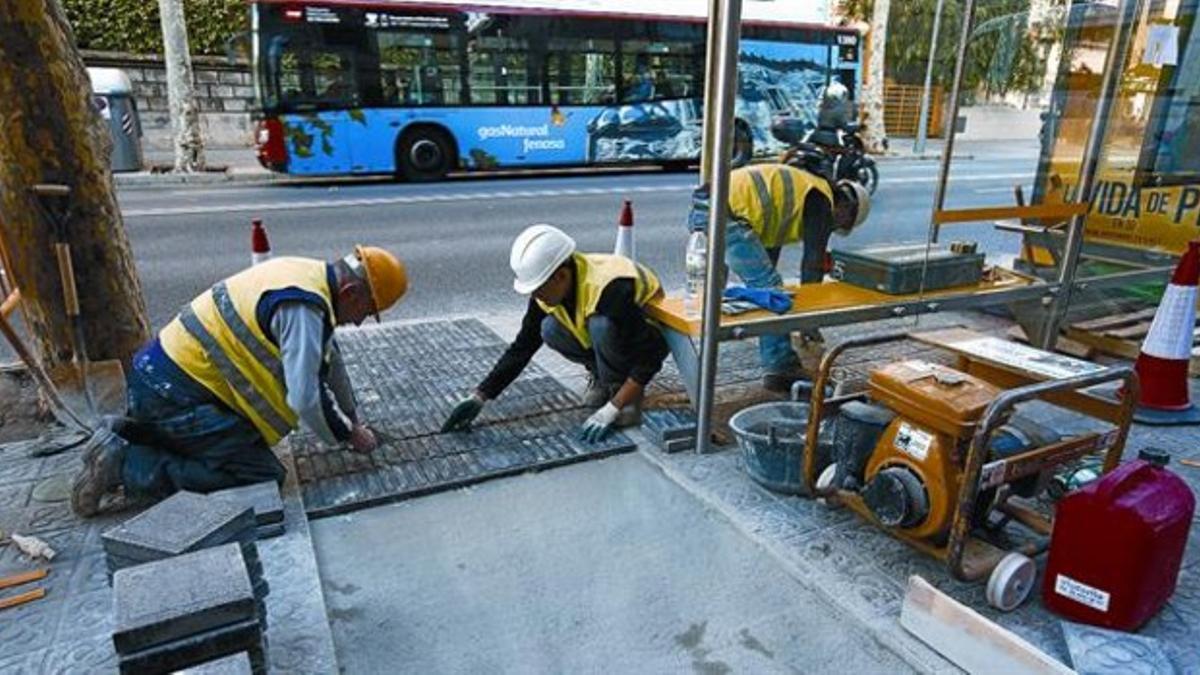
column 896, row 269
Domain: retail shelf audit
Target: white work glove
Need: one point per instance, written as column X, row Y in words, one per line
column 598, row 425
column 362, row 439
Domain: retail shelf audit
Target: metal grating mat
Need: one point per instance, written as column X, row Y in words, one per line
column 408, row 378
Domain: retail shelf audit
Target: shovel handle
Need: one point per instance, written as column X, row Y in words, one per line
column 67, row 271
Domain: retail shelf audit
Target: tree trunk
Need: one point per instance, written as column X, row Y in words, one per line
column 874, row 133
column 181, row 88
column 51, row 133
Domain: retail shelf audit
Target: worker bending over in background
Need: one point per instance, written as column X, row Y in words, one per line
column 587, row 307
column 771, row 206
column 235, row 372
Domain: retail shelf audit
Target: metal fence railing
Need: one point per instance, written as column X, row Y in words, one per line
column 902, row 110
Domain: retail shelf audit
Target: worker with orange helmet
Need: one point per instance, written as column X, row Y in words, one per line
column 238, row 369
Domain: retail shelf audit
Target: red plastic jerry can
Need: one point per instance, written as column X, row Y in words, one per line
column 1118, row 543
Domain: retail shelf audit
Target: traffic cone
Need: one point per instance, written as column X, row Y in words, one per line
column 625, row 245
column 1162, row 364
column 260, row 248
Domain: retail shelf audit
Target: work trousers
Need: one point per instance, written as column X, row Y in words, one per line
column 185, row 439
column 756, row 265
column 608, row 359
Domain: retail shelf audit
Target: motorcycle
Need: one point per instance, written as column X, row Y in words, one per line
column 847, row 154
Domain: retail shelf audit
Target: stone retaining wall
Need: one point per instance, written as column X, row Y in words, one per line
column 225, row 91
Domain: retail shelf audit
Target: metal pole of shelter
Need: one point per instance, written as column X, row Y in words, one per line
column 1114, row 63
column 721, row 88
column 713, row 43
column 923, row 120
column 939, row 195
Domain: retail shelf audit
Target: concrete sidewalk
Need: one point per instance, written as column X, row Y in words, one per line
column 600, row 567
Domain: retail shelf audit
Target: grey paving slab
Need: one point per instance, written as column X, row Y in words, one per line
column 70, row 630
column 181, row 523
column 245, row 636
column 1096, row 651
column 159, row 602
column 262, row 497
column 671, row 429
column 235, row 664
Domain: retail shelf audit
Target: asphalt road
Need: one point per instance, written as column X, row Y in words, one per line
column 455, row 235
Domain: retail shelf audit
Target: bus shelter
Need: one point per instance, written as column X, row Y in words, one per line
column 1113, row 200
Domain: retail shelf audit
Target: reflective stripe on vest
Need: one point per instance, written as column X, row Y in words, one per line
column 220, row 340
column 593, row 273
column 770, row 198
column 242, row 332
column 232, row 375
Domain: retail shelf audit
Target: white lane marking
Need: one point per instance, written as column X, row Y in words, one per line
column 386, row 201
column 472, row 196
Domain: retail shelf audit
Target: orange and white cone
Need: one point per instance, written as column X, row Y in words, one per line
column 625, row 244
column 260, row 247
column 1162, row 364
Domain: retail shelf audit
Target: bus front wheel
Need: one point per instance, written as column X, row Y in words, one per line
column 424, row 155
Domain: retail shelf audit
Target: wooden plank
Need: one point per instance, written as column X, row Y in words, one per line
column 966, row 638
column 28, row 596
column 1064, row 344
column 989, row 213
column 1134, row 332
column 23, row 578
column 1113, row 321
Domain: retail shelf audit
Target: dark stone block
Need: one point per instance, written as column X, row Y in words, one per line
column 262, row 497
column 236, row 664
column 181, row 523
column 245, row 636
column 171, row 599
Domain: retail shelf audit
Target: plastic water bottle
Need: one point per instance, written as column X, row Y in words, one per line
column 697, row 260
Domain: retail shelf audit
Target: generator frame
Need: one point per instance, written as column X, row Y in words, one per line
column 968, row 557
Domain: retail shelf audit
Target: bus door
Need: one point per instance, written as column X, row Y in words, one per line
column 319, row 86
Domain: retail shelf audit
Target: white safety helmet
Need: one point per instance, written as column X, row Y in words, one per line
column 862, row 202
column 536, row 254
column 836, row 91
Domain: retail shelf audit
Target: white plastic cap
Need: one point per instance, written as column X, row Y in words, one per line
column 109, row 81
column 536, row 253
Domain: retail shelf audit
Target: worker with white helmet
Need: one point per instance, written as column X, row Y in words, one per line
column 771, row 206
column 587, row 307
column 239, row 368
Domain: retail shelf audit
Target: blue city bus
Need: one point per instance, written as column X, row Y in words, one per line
column 419, row 89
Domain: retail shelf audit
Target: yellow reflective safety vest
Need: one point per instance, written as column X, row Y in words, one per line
column 219, row 339
column 770, row 198
column 593, row 273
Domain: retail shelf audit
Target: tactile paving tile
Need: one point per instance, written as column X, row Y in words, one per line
column 408, row 379
column 336, row 481
column 671, row 429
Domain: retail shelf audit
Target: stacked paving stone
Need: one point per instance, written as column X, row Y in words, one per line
column 264, row 499
column 237, row 664
column 185, row 610
column 671, row 429
column 183, row 523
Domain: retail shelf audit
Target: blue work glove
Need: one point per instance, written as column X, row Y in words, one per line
column 463, row 414
column 771, row 299
column 596, row 427
column 697, row 220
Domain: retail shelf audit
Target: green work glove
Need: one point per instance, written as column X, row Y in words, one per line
column 463, row 414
